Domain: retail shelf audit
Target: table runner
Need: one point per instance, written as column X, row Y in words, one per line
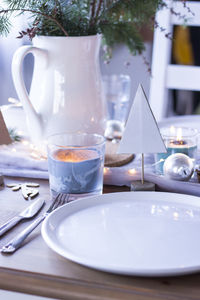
column 24, row 160
column 17, row 160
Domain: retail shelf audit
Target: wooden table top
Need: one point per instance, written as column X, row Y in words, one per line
column 36, row 269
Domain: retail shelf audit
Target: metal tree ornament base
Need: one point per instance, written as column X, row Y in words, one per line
column 145, row 186
column 178, row 166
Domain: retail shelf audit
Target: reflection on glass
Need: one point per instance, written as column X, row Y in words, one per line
column 117, row 94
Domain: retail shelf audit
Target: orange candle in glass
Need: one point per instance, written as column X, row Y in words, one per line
column 76, row 170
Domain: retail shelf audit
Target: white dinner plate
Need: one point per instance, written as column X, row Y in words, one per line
column 132, row 233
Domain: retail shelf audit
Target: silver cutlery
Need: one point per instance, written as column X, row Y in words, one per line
column 27, row 213
column 15, row 243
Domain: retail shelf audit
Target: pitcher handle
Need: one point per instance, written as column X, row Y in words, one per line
column 17, row 75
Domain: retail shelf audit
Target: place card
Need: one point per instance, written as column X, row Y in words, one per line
column 4, row 134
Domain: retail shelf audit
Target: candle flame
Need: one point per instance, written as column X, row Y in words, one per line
column 172, row 130
column 179, row 134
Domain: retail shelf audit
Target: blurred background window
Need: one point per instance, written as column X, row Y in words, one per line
column 186, row 51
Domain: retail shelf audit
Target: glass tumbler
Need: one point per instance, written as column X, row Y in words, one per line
column 177, row 140
column 117, row 93
column 75, row 164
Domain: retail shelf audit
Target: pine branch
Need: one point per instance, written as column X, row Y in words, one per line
column 14, row 135
column 123, row 33
column 98, row 9
column 5, row 11
column 93, row 7
column 4, row 24
column 119, row 21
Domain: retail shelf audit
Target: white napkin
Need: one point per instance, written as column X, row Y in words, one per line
column 17, row 160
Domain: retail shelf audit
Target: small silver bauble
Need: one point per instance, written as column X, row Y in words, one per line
column 178, row 166
column 114, row 129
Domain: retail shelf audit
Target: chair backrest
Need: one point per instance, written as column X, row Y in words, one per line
column 166, row 76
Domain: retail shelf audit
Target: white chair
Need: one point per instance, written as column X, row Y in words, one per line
column 166, row 76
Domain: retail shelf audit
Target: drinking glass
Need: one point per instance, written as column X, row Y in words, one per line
column 117, row 92
column 75, row 164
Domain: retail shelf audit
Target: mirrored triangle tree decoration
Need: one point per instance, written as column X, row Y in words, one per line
column 141, row 134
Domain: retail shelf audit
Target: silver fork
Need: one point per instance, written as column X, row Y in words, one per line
column 15, row 243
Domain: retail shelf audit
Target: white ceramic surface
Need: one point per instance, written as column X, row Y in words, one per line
column 66, row 92
column 132, row 233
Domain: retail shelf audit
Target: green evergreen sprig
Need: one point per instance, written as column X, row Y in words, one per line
column 119, row 21
column 14, row 135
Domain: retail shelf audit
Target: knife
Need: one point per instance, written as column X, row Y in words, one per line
column 27, row 213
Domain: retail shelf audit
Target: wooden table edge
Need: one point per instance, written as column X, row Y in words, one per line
column 61, row 288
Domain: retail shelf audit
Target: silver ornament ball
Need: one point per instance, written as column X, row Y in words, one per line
column 114, row 129
column 178, row 166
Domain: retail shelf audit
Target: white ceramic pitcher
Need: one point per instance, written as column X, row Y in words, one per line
column 66, row 91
